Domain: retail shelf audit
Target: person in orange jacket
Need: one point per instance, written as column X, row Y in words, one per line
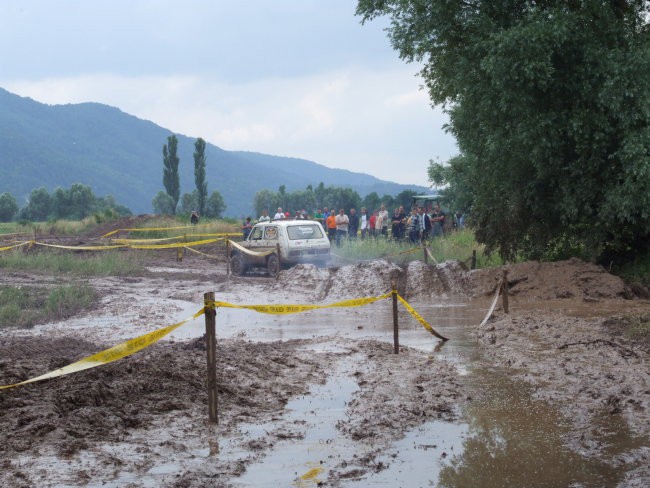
column 331, row 226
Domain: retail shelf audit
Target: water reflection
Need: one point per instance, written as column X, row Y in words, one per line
column 516, row 441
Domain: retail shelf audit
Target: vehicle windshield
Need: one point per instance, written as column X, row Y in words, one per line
column 305, row 231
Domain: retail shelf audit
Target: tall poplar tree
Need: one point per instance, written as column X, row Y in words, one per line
column 171, row 179
column 199, row 174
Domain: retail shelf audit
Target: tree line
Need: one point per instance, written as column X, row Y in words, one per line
column 550, row 105
column 332, row 197
column 74, row 203
column 167, row 202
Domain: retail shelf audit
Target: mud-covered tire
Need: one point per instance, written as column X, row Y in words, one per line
column 273, row 265
column 237, row 265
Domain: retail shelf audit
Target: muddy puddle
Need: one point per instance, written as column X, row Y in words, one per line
column 503, row 435
column 318, row 398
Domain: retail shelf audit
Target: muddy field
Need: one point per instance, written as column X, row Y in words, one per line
column 319, row 399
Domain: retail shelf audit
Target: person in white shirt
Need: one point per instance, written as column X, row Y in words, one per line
column 342, row 222
column 382, row 221
column 264, row 217
column 279, row 214
column 364, row 222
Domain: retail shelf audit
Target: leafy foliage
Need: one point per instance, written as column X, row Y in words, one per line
column 215, row 205
column 550, row 104
column 163, row 204
column 8, row 207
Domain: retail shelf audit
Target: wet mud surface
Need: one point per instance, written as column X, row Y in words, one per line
column 555, row 387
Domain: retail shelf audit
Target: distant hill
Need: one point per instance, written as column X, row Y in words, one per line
column 118, row 154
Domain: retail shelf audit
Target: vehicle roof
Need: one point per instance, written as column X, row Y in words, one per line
column 289, row 221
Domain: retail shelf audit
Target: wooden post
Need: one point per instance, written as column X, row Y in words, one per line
column 227, row 259
column 504, row 289
column 277, row 276
column 179, row 254
column 473, row 259
column 395, row 323
column 211, row 349
column 424, row 251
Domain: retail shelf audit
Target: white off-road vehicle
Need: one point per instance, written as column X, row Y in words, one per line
column 280, row 243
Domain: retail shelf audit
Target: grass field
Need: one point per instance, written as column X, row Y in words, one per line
column 26, row 306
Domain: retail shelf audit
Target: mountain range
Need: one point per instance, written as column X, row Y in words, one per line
column 121, row 155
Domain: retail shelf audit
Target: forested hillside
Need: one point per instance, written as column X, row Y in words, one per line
column 118, row 154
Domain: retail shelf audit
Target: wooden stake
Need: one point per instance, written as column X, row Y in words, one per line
column 395, row 323
column 211, row 349
column 424, row 251
column 277, row 276
column 504, row 290
column 227, row 259
column 473, row 259
column 179, row 254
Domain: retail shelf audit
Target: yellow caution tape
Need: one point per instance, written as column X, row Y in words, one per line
column 298, row 308
column 419, row 318
column 80, row 248
column 14, row 246
column 431, row 256
column 312, row 473
column 202, row 253
column 151, row 229
column 248, row 251
column 112, row 354
column 174, row 245
column 145, row 241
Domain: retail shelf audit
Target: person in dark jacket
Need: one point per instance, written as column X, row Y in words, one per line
column 353, row 226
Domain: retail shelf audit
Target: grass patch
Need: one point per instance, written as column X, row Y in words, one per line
column 167, row 224
column 27, row 306
column 105, row 263
column 639, row 327
column 454, row 246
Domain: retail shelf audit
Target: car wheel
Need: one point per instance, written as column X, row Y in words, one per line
column 273, row 265
column 237, row 265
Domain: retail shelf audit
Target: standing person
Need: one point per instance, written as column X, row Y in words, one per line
column 265, row 216
column 373, row 224
column 399, row 223
column 353, row 227
column 194, row 217
column 279, row 214
column 246, row 228
column 414, row 226
column 383, row 218
column 364, row 222
column 342, row 225
column 425, row 224
column 437, row 221
column 331, row 226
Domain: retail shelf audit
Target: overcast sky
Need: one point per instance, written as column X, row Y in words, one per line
column 299, row 78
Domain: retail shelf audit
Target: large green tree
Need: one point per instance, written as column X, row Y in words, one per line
column 550, row 104
column 199, row 174
column 171, row 178
column 8, row 207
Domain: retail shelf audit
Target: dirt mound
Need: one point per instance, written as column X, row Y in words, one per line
column 443, row 280
column 303, row 277
column 130, row 222
column 106, row 403
column 363, row 279
column 574, row 279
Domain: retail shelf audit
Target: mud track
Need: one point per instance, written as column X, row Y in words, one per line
column 121, row 424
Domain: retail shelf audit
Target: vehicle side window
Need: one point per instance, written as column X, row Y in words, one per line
column 256, row 234
column 271, row 233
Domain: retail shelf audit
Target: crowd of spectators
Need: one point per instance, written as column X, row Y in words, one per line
column 418, row 225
